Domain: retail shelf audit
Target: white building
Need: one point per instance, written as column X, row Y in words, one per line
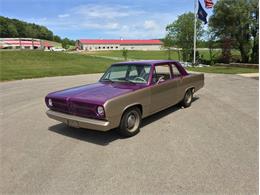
column 26, row 43
column 102, row 44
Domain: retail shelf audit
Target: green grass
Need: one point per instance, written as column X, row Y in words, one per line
column 223, row 70
column 138, row 55
column 147, row 55
column 160, row 55
column 16, row 65
column 32, row 64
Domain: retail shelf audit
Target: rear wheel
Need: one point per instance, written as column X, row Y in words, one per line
column 130, row 122
column 186, row 102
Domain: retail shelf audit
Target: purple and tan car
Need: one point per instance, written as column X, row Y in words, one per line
column 125, row 94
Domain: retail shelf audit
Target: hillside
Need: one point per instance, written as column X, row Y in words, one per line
column 32, row 64
column 12, row 28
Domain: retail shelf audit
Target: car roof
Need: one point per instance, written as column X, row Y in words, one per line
column 146, row 62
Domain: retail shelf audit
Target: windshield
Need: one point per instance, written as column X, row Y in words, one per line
column 127, row 73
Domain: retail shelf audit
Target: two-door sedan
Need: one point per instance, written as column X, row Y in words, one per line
column 125, row 94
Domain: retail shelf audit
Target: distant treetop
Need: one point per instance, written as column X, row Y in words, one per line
column 13, row 28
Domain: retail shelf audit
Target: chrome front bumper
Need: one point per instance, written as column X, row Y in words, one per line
column 79, row 122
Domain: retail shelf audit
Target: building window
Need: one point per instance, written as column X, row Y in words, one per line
column 104, row 47
column 116, row 47
column 27, row 47
column 111, row 47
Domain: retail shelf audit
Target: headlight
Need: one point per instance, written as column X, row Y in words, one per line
column 50, row 102
column 100, row 111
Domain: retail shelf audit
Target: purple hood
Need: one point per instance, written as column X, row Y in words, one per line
column 97, row 93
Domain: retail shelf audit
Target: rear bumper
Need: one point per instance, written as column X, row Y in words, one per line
column 80, row 122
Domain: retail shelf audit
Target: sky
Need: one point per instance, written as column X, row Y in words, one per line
column 100, row 19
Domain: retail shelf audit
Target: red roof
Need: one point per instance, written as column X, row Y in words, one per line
column 26, row 43
column 119, row 41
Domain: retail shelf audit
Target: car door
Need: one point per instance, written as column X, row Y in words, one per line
column 178, row 77
column 164, row 90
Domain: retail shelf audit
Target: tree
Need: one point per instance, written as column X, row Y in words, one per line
column 232, row 22
column 3, row 27
column 45, row 33
column 211, row 43
column 16, row 28
column 181, row 32
column 12, row 30
column 168, row 43
column 66, row 43
column 30, row 32
column 57, row 38
column 125, row 53
column 255, row 32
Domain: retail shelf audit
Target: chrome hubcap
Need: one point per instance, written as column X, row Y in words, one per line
column 131, row 121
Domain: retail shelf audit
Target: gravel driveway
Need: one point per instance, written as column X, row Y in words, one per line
column 211, row 147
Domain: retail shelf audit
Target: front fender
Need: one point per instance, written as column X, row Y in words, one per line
column 115, row 107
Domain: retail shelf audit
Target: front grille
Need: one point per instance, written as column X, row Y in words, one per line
column 75, row 107
column 60, row 105
column 83, row 109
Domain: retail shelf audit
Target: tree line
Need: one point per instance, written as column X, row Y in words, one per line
column 233, row 25
column 13, row 28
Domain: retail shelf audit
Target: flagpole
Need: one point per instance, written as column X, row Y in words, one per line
column 195, row 31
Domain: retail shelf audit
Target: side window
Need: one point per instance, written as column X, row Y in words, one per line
column 161, row 71
column 133, row 71
column 175, row 71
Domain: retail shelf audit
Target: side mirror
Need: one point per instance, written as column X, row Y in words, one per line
column 161, row 79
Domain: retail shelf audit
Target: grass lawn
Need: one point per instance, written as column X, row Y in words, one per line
column 16, row 65
column 138, row 55
column 223, row 70
column 31, row 64
column 147, row 55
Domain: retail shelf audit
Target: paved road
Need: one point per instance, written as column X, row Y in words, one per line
column 211, row 147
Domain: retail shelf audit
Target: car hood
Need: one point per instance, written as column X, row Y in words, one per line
column 97, row 93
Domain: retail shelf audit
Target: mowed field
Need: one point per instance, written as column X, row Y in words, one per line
column 32, row 64
column 16, row 65
column 156, row 55
column 135, row 55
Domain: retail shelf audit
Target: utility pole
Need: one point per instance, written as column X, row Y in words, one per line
column 195, row 30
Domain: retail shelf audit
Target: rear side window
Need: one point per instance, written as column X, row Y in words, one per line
column 161, row 71
column 175, row 71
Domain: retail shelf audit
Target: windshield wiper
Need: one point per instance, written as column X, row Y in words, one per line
column 129, row 81
column 108, row 80
column 122, row 80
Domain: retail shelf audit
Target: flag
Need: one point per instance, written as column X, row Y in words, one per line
column 208, row 3
column 202, row 15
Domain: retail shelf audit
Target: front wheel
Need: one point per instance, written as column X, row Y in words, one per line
column 130, row 122
column 186, row 102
